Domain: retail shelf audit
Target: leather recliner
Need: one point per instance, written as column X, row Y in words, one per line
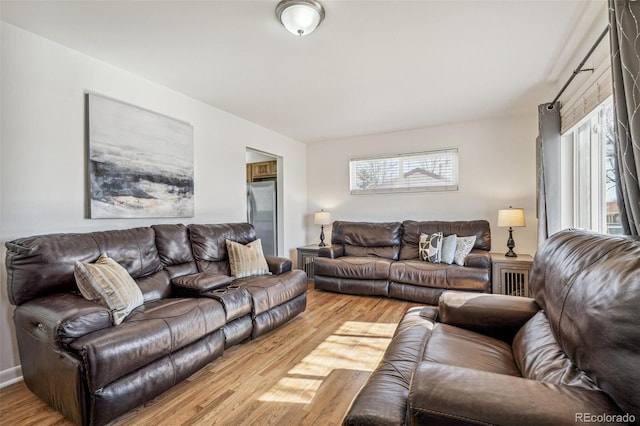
column 571, row 355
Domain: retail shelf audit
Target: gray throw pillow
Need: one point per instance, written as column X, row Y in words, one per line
column 449, row 248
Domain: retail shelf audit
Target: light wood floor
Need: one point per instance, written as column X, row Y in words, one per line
column 304, row 373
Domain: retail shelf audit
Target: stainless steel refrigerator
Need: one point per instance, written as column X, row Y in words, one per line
column 262, row 214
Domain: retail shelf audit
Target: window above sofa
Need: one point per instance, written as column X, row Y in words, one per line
column 415, row 172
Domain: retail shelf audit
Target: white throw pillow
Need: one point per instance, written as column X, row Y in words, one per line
column 108, row 283
column 464, row 245
column 247, row 260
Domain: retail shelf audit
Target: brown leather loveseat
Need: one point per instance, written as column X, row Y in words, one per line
column 381, row 259
column 92, row 371
column 569, row 356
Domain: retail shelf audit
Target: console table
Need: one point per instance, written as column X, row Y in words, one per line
column 511, row 274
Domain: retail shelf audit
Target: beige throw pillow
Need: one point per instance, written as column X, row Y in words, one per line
column 247, row 260
column 108, row 283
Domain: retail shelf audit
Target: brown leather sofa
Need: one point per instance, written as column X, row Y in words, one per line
column 571, row 355
column 91, row 371
column 381, row 259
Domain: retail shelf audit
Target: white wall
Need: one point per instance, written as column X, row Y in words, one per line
column 256, row 157
column 43, row 152
column 497, row 169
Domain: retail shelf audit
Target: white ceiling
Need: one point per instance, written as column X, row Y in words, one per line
column 371, row 66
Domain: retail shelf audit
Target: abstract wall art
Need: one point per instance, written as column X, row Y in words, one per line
column 140, row 163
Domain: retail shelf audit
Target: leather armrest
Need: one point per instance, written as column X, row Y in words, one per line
column 278, row 265
column 194, row 284
column 331, row 252
column 478, row 259
column 494, row 315
column 429, row 312
column 61, row 318
column 445, row 394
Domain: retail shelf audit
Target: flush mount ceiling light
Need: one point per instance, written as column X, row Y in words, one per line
column 300, row 17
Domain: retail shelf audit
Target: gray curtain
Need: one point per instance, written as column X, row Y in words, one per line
column 624, row 19
column 546, row 144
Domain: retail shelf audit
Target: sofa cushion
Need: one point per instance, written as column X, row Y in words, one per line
column 43, row 265
column 247, row 260
column 134, row 249
column 209, row 246
column 352, row 267
column 454, row 395
column 539, row 357
column 174, row 249
column 380, row 239
column 438, row 275
column 495, row 315
column 152, row 331
column 155, row 286
column 413, row 229
column 452, row 345
column 267, row 292
column 109, row 284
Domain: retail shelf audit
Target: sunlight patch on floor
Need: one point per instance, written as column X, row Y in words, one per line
column 353, row 346
column 342, row 352
column 375, row 329
column 294, row 390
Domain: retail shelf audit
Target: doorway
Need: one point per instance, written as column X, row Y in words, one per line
column 264, row 198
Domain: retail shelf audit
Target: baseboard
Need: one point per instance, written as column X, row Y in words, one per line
column 10, row 376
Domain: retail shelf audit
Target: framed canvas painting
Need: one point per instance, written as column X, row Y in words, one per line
column 140, row 163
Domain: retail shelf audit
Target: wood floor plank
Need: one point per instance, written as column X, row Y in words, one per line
column 303, row 373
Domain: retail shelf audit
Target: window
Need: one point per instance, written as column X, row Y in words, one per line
column 594, row 185
column 426, row 171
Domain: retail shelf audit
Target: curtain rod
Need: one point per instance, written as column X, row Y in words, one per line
column 579, row 69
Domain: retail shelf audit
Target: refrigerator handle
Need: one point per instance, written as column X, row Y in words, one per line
column 251, row 202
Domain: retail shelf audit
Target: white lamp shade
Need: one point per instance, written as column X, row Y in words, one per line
column 511, row 217
column 300, row 17
column 322, row 218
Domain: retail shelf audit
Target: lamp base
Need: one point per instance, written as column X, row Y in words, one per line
column 322, row 244
column 511, row 253
column 510, row 245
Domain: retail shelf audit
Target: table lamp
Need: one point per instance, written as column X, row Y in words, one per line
column 322, row 218
column 512, row 218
